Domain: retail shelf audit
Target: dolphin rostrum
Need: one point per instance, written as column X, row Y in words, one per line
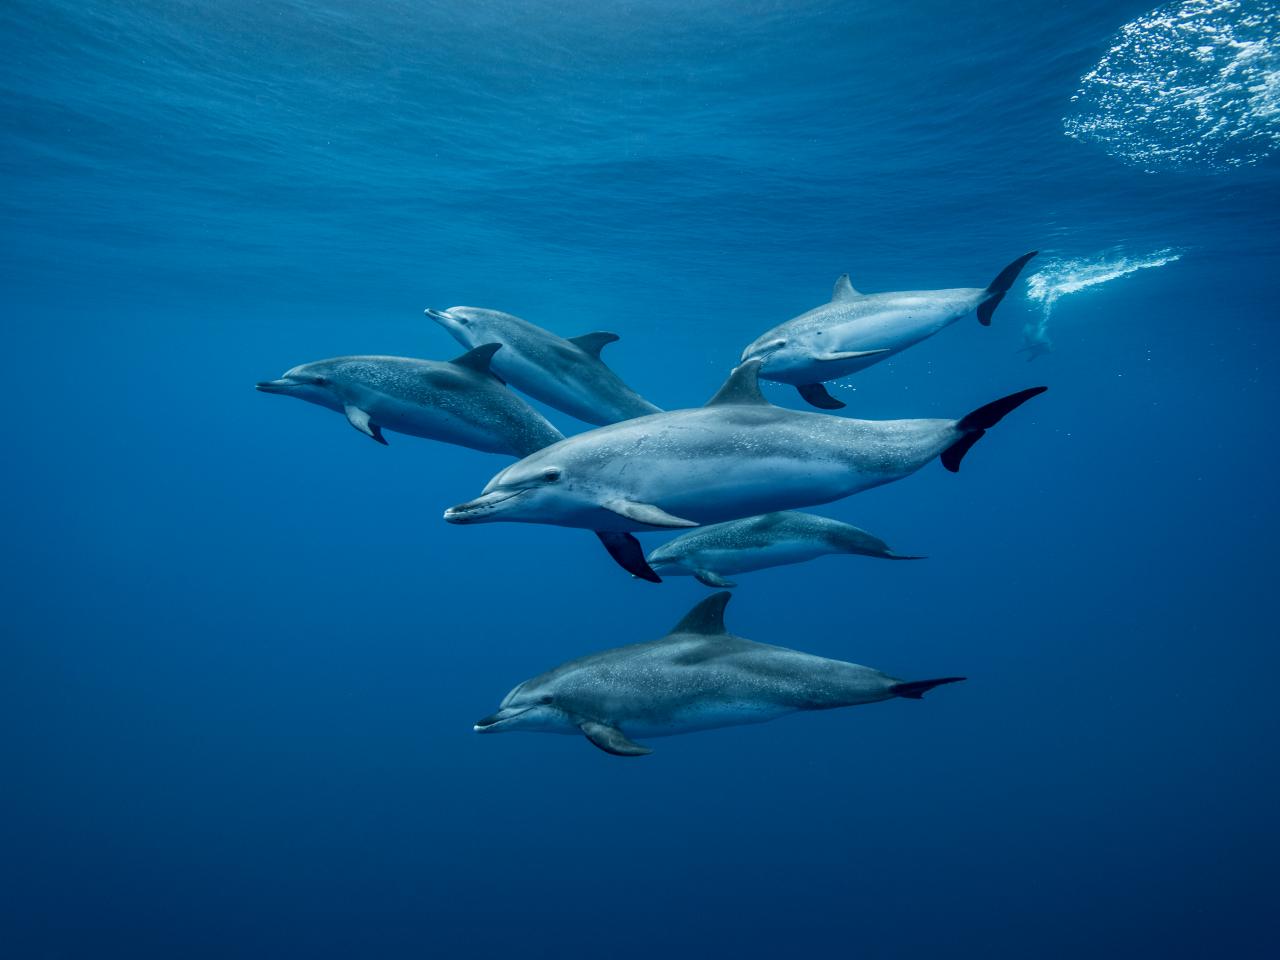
column 697, row 677
column 566, row 374
column 773, row 540
column 458, row 402
column 855, row 330
column 736, row 457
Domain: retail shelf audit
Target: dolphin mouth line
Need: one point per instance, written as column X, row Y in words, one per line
column 494, row 721
column 445, row 315
column 275, row 386
column 474, row 509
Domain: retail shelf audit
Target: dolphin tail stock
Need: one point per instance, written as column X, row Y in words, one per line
column 628, row 554
column 973, row 426
column 916, row 689
column 1000, row 286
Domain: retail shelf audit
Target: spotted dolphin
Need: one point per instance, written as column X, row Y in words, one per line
column 458, row 402
column 697, row 677
column 566, row 374
column 738, row 456
column 712, row 553
column 855, row 330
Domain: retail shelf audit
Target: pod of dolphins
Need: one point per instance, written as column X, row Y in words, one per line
column 734, row 469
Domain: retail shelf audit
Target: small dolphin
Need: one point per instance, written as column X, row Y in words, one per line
column 566, row 374
column 697, row 677
column 856, row 330
column 458, row 402
column 1035, row 342
column 771, row 540
column 736, row 457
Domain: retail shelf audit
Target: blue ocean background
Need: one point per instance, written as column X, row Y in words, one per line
column 243, row 653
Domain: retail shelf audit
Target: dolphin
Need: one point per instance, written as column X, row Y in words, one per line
column 458, row 402
column 855, row 330
column 736, row 457
column 771, row 540
column 1036, row 342
column 566, row 374
column 697, row 677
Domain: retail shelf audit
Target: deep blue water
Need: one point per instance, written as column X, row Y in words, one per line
column 243, row 653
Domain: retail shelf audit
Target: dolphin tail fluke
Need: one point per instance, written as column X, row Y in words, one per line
column 627, row 552
column 916, row 689
column 1000, row 286
column 817, row 395
column 973, row 426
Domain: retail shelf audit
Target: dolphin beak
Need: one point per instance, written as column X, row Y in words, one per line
column 762, row 351
column 444, row 316
column 491, row 723
column 275, row 386
column 481, row 508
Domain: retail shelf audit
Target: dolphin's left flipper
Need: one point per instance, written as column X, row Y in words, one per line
column 850, row 354
column 817, row 395
column 648, row 513
column 713, row 579
column 611, row 739
column 360, row 420
column 593, row 343
column 629, row 555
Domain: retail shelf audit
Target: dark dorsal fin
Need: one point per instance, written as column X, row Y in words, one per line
column 843, row 289
column 479, row 358
column 743, row 386
column 707, row 617
column 593, row 343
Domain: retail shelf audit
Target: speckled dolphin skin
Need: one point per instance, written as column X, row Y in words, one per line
column 855, row 330
column 458, row 401
column 566, row 374
column 714, row 553
column 738, row 456
column 697, row 677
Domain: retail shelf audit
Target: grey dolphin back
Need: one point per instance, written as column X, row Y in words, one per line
column 1000, row 286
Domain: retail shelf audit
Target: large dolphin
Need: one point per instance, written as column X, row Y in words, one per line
column 754, row 543
column 566, row 374
column 458, row 402
column 697, row 677
column 736, row 457
column 856, row 330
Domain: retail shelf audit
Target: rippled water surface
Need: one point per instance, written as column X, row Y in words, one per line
column 243, row 653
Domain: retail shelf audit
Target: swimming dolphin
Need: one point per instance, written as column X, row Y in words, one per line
column 458, row 402
column 566, row 374
column 856, row 330
column 1035, row 342
column 736, row 457
column 771, row 540
column 697, row 677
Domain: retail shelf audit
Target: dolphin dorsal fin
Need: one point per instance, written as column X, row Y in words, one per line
column 843, row 289
column 743, row 386
column 707, row 617
column 479, row 358
column 593, row 343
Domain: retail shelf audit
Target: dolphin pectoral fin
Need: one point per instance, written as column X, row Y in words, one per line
column 843, row 290
column 611, row 739
column 629, row 555
column 850, row 354
column 360, row 420
column 648, row 513
column 710, row 579
column 817, row 395
column 593, row 343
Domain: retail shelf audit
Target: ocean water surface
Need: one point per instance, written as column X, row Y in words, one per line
column 243, row 653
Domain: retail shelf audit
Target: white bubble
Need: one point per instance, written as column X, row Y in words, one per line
column 1190, row 86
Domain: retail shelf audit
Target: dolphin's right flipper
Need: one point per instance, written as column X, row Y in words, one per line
column 611, row 739
column 360, row 420
column 629, row 555
column 713, row 579
column 816, row 394
column 648, row 513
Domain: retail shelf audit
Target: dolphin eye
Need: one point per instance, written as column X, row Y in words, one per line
column 551, row 476
column 546, row 698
